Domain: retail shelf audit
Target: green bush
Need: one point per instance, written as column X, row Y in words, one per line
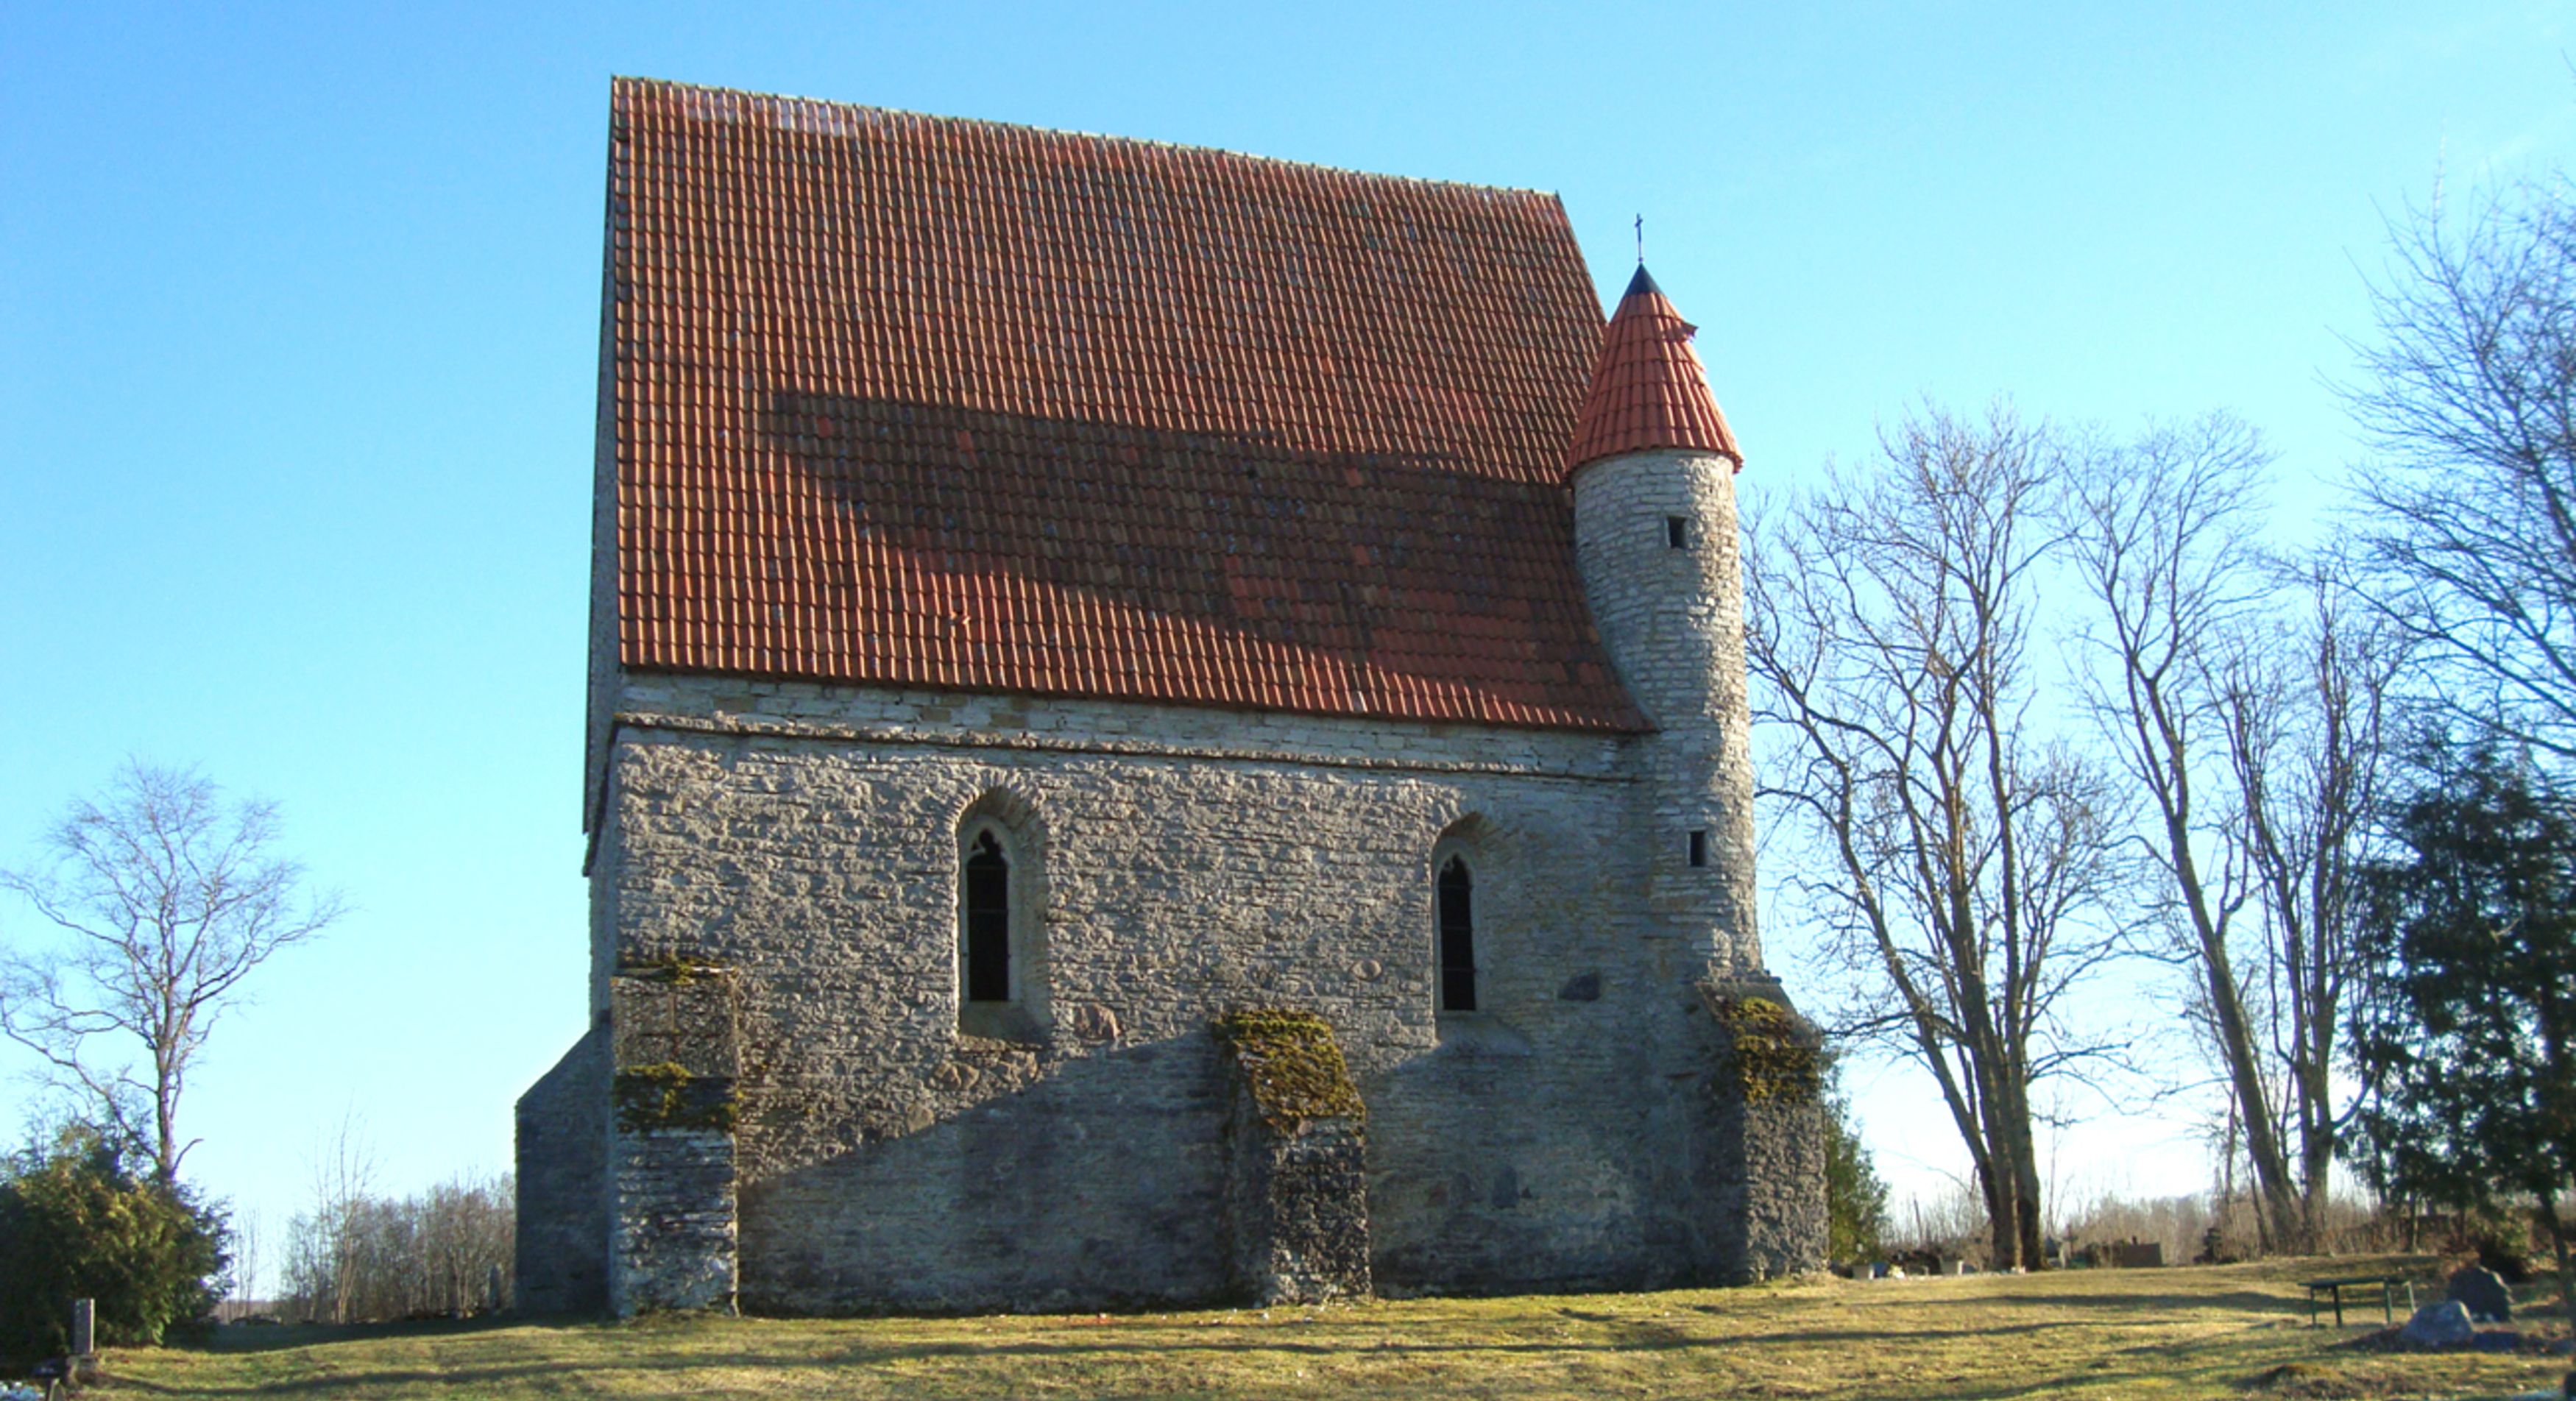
column 74, row 1223
column 1855, row 1197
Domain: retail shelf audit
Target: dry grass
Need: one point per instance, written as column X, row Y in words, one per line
column 2234, row 1331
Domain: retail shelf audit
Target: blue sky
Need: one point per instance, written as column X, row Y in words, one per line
column 297, row 345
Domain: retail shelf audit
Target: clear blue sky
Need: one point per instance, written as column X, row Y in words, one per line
column 297, row 343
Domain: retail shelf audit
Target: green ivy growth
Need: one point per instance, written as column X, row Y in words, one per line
column 667, row 968
column 667, row 1096
column 1294, row 1065
column 1770, row 1053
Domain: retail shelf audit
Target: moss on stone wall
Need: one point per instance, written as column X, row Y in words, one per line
column 667, row 1096
column 668, row 968
column 1293, row 1065
column 1771, row 1054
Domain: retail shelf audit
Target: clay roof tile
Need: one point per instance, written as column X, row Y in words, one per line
column 905, row 400
column 1648, row 387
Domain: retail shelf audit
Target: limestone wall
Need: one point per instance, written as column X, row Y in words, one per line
column 673, row 1110
column 1672, row 617
column 562, row 1245
column 1193, row 862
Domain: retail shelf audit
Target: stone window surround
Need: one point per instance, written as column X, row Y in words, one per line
column 1466, row 838
column 1012, row 824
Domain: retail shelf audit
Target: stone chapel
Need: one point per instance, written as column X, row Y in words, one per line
column 1165, row 727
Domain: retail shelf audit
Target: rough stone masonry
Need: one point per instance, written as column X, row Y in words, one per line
column 947, row 997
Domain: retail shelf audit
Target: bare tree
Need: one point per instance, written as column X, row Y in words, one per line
column 355, row 1256
column 249, row 1237
column 1969, row 865
column 2256, row 744
column 323, row 1266
column 2467, row 515
column 2308, row 739
column 2163, row 534
column 168, row 899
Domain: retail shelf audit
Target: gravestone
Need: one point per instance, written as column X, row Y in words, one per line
column 2445, row 1324
column 2482, row 1293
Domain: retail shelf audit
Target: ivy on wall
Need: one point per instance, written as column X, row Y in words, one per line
column 668, row 968
column 1293, row 1065
column 667, row 1096
column 1771, row 1055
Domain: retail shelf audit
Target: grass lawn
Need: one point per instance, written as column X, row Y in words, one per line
column 2233, row 1331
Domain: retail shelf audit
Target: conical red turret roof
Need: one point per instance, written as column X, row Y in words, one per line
column 1648, row 388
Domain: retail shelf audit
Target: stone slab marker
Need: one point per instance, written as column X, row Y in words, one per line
column 1296, row 1170
column 672, row 1221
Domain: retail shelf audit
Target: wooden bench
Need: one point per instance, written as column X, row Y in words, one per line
column 2333, row 1289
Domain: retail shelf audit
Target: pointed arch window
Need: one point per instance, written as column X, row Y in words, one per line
column 1001, row 953
column 987, row 920
column 1457, row 904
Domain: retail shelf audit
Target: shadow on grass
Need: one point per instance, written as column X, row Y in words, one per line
column 236, row 1339
column 1512, row 1361
column 557, row 1371
column 2244, row 1301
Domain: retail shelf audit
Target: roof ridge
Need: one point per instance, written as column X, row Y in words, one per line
column 773, row 100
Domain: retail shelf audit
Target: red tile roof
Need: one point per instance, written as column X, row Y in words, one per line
column 1649, row 390
column 904, row 400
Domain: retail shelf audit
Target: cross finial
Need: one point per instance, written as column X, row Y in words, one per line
column 1641, row 240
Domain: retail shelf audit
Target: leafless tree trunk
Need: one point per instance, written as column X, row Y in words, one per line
column 2307, row 717
column 325, row 1247
column 248, row 1240
column 2163, row 535
column 169, row 900
column 2256, row 742
column 355, row 1256
column 2467, row 515
column 1969, row 863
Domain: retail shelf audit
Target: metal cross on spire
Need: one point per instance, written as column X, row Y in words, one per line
column 1641, row 240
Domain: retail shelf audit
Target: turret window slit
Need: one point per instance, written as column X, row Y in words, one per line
column 1699, row 848
column 1677, row 532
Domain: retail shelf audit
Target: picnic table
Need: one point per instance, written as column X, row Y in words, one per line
column 2333, row 1289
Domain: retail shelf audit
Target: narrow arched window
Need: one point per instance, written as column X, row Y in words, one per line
column 988, row 921
column 1457, row 938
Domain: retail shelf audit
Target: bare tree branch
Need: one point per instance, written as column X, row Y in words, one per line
column 2467, row 516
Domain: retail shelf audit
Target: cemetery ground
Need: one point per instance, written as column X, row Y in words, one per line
column 2238, row 1331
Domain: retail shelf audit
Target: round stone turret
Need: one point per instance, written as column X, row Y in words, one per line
column 1653, row 470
